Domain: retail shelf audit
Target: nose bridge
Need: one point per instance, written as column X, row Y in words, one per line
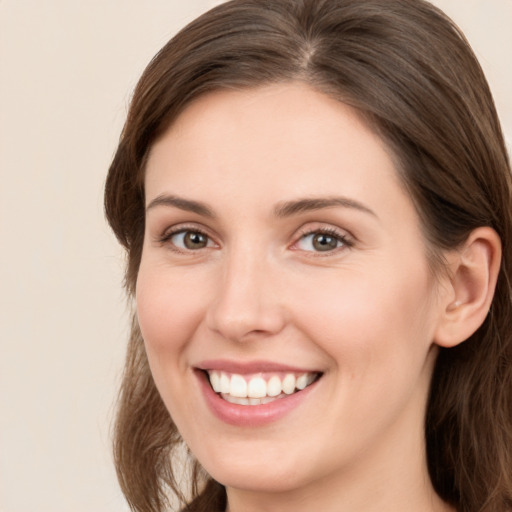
column 246, row 302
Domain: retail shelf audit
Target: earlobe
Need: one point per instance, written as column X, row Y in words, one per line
column 474, row 271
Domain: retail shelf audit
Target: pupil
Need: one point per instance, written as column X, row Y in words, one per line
column 194, row 240
column 322, row 242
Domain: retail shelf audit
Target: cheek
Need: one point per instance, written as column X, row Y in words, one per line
column 376, row 332
column 365, row 319
column 168, row 311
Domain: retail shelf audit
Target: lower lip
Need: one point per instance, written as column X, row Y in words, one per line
column 250, row 415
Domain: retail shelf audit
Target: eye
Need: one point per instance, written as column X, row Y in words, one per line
column 322, row 241
column 189, row 240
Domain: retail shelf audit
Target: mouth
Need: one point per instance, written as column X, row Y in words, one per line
column 258, row 388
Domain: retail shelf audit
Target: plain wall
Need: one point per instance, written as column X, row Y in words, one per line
column 67, row 69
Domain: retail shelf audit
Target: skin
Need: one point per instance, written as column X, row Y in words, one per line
column 365, row 313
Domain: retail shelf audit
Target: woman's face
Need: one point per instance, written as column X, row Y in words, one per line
column 280, row 252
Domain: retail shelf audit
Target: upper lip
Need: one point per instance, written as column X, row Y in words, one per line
column 248, row 367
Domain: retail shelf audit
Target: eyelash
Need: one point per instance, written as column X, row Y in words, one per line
column 167, row 236
column 342, row 238
column 345, row 241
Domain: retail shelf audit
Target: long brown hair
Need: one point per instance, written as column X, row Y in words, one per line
column 411, row 75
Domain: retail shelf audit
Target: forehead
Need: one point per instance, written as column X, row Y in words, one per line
column 268, row 144
column 256, row 115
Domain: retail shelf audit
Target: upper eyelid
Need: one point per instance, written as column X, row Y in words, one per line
column 171, row 231
column 322, row 227
column 185, row 226
column 343, row 235
column 164, row 240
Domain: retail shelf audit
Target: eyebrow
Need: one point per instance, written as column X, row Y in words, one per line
column 181, row 203
column 290, row 208
column 282, row 210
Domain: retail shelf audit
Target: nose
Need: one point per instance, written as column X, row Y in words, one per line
column 247, row 303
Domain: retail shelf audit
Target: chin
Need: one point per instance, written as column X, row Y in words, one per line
column 268, row 472
column 259, row 479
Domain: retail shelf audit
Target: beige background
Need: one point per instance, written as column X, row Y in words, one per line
column 67, row 68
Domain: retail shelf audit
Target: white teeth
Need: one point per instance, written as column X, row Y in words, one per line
column 224, row 383
column 236, row 400
column 303, row 381
column 274, row 386
column 256, row 390
column 289, row 384
column 238, row 386
column 215, row 381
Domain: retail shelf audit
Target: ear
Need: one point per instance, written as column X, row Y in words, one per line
column 474, row 269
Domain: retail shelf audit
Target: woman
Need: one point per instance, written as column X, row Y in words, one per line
column 315, row 198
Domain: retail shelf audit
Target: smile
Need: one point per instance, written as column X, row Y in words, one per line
column 259, row 388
